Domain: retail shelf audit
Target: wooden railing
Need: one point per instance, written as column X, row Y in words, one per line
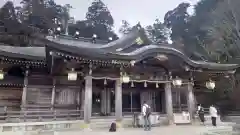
column 27, row 116
column 131, row 110
column 56, row 115
column 233, row 113
column 179, row 110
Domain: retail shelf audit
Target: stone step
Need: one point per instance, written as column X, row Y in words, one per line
column 127, row 122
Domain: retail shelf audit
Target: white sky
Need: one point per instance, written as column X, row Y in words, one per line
column 134, row 11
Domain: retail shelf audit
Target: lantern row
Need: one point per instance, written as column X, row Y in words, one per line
column 126, row 79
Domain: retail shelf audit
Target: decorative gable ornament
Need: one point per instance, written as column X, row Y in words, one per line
column 139, row 41
column 1, row 75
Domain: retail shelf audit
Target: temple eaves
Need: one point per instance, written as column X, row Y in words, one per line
column 115, row 50
column 39, row 54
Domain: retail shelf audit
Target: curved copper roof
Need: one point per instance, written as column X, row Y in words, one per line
column 31, row 53
column 108, row 51
column 123, row 42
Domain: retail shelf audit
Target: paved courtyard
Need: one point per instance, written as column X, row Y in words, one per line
column 166, row 130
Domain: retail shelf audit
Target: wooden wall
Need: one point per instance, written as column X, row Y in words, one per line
column 11, row 97
column 66, row 96
column 39, row 93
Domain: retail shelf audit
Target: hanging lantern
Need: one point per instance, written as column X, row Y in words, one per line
column 145, row 84
column 132, row 62
column 210, row 84
column 105, row 81
column 58, row 29
column 157, row 86
column 1, row 75
column 72, row 75
column 132, row 84
column 177, row 81
column 125, row 78
column 94, row 36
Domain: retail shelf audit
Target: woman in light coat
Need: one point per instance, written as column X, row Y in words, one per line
column 213, row 113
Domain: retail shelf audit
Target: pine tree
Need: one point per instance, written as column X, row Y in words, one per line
column 8, row 11
column 157, row 32
column 101, row 19
column 99, row 14
column 125, row 28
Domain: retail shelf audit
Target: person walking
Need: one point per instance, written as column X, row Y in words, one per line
column 198, row 107
column 200, row 113
column 146, row 111
column 213, row 114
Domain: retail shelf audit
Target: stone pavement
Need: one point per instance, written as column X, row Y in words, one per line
column 165, row 130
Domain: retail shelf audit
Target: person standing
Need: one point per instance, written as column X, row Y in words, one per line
column 198, row 107
column 213, row 114
column 200, row 113
column 146, row 111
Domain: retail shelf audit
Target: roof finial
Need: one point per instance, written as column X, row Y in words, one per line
column 139, row 25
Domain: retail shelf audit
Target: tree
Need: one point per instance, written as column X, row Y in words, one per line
column 213, row 32
column 176, row 20
column 157, row 32
column 64, row 16
column 101, row 18
column 8, row 11
column 190, row 30
column 45, row 14
column 35, row 13
column 98, row 13
column 125, row 27
column 224, row 29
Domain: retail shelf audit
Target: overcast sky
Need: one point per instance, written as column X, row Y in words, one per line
column 145, row 11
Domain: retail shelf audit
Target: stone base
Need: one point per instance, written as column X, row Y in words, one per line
column 172, row 124
column 85, row 127
column 236, row 128
column 69, row 125
column 119, row 125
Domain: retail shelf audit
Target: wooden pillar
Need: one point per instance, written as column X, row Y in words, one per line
column 169, row 105
column 53, row 94
column 179, row 100
column 82, row 99
column 88, row 99
column 78, row 98
column 190, row 98
column 118, row 100
column 24, row 93
column 108, row 94
column 104, row 101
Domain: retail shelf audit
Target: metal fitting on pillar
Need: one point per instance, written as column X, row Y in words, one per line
column 26, row 73
column 169, row 76
column 90, row 69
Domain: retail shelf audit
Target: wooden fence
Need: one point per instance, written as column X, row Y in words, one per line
column 39, row 116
